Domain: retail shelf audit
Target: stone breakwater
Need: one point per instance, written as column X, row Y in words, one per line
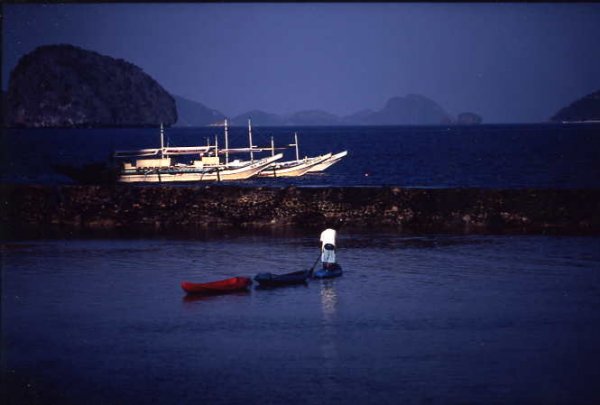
column 122, row 207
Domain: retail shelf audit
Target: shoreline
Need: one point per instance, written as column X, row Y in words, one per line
column 119, row 208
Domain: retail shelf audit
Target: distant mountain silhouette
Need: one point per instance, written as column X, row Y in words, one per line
column 300, row 118
column 193, row 114
column 66, row 86
column 413, row 109
column 63, row 85
column 358, row 118
column 584, row 109
column 410, row 110
column 312, row 117
column 259, row 118
column 468, row 118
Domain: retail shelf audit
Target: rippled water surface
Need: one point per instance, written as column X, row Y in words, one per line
column 488, row 156
column 434, row 319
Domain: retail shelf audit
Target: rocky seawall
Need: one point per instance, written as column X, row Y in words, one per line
column 211, row 207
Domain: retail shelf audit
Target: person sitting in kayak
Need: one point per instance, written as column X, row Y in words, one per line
column 328, row 248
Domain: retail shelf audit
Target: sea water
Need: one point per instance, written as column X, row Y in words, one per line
column 419, row 319
column 414, row 319
column 490, row 156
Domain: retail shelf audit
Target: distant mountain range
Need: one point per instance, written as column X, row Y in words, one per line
column 412, row 109
column 66, row 86
column 193, row 114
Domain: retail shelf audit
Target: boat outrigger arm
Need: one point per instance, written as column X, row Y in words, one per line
column 136, row 153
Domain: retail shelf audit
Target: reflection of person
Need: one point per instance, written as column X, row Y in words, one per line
column 328, row 248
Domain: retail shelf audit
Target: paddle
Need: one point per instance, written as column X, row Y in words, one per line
column 310, row 271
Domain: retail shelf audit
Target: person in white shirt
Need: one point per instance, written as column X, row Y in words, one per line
column 328, row 248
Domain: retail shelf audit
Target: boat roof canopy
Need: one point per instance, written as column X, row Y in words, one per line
column 181, row 150
column 187, row 150
column 247, row 150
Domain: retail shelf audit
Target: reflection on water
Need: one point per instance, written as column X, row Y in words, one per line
column 329, row 335
column 434, row 319
column 191, row 298
column 328, row 300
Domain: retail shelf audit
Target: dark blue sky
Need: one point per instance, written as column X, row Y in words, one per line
column 507, row 62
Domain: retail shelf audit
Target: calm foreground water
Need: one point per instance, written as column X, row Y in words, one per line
column 432, row 319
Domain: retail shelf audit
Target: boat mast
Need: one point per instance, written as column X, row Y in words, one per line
column 250, row 139
column 296, row 143
column 226, row 144
column 217, row 155
column 272, row 146
column 162, row 140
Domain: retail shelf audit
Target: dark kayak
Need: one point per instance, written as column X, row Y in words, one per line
column 334, row 271
column 217, row 287
column 273, row 280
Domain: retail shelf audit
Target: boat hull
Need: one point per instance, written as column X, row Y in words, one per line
column 275, row 280
column 328, row 162
column 217, row 287
column 292, row 168
column 336, row 271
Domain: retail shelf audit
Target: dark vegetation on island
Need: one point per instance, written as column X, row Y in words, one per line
column 584, row 109
column 188, row 209
column 66, row 86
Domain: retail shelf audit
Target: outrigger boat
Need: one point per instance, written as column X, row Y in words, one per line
column 156, row 165
column 292, row 168
column 327, row 163
column 159, row 165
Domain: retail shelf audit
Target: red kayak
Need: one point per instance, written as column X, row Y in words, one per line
column 217, row 287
